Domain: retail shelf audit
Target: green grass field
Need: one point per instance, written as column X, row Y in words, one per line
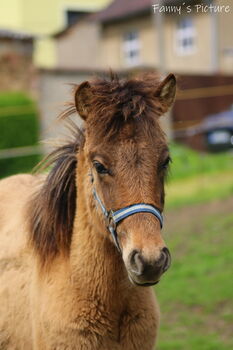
column 199, row 189
column 187, row 163
column 195, row 295
column 197, row 178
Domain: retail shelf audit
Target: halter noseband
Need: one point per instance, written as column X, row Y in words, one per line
column 114, row 217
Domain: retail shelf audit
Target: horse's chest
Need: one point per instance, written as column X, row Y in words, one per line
column 86, row 333
column 91, row 323
column 97, row 319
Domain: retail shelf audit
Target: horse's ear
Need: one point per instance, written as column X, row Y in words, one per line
column 82, row 99
column 166, row 92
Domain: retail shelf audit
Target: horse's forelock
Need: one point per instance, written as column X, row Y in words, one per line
column 117, row 101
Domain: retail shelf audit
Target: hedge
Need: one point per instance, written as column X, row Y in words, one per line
column 19, row 127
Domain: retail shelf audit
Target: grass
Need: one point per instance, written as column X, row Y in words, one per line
column 199, row 189
column 188, row 163
column 197, row 178
column 196, row 293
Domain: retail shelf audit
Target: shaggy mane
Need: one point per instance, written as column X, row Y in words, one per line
column 51, row 210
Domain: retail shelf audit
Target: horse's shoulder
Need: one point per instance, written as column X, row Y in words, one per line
column 15, row 193
column 21, row 184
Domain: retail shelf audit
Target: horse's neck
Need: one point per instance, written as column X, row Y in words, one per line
column 96, row 264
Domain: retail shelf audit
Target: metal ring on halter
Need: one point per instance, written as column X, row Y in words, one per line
column 110, row 219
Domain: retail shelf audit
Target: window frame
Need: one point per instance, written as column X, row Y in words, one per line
column 187, row 33
column 131, row 48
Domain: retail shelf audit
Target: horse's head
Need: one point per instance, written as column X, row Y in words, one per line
column 127, row 157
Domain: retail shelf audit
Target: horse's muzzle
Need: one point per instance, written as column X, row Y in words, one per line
column 146, row 273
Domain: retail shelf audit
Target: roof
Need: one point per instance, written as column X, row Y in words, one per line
column 120, row 9
column 18, row 35
column 123, row 8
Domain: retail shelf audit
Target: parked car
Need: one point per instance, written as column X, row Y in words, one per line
column 218, row 131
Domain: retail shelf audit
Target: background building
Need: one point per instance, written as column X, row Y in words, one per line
column 128, row 37
column 43, row 18
column 79, row 39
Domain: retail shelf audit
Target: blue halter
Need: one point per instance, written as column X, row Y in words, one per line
column 114, row 217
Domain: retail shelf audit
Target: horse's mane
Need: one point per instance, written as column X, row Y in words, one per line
column 51, row 210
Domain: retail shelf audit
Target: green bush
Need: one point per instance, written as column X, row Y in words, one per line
column 19, row 127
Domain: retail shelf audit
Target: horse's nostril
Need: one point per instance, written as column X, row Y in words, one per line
column 147, row 269
column 165, row 250
column 132, row 256
column 136, row 262
column 167, row 257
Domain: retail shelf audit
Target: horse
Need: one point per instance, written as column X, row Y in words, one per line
column 81, row 243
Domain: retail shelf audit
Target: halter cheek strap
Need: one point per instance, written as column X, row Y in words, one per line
column 114, row 217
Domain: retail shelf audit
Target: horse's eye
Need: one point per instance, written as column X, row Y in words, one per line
column 166, row 163
column 100, row 168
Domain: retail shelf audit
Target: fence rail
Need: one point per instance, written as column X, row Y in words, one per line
column 16, row 110
column 20, row 152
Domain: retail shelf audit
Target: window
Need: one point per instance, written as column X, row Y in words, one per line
column 74, row 16
column 131, row 48
column 185, row 40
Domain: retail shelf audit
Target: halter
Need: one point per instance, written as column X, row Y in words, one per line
column 114, row 217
